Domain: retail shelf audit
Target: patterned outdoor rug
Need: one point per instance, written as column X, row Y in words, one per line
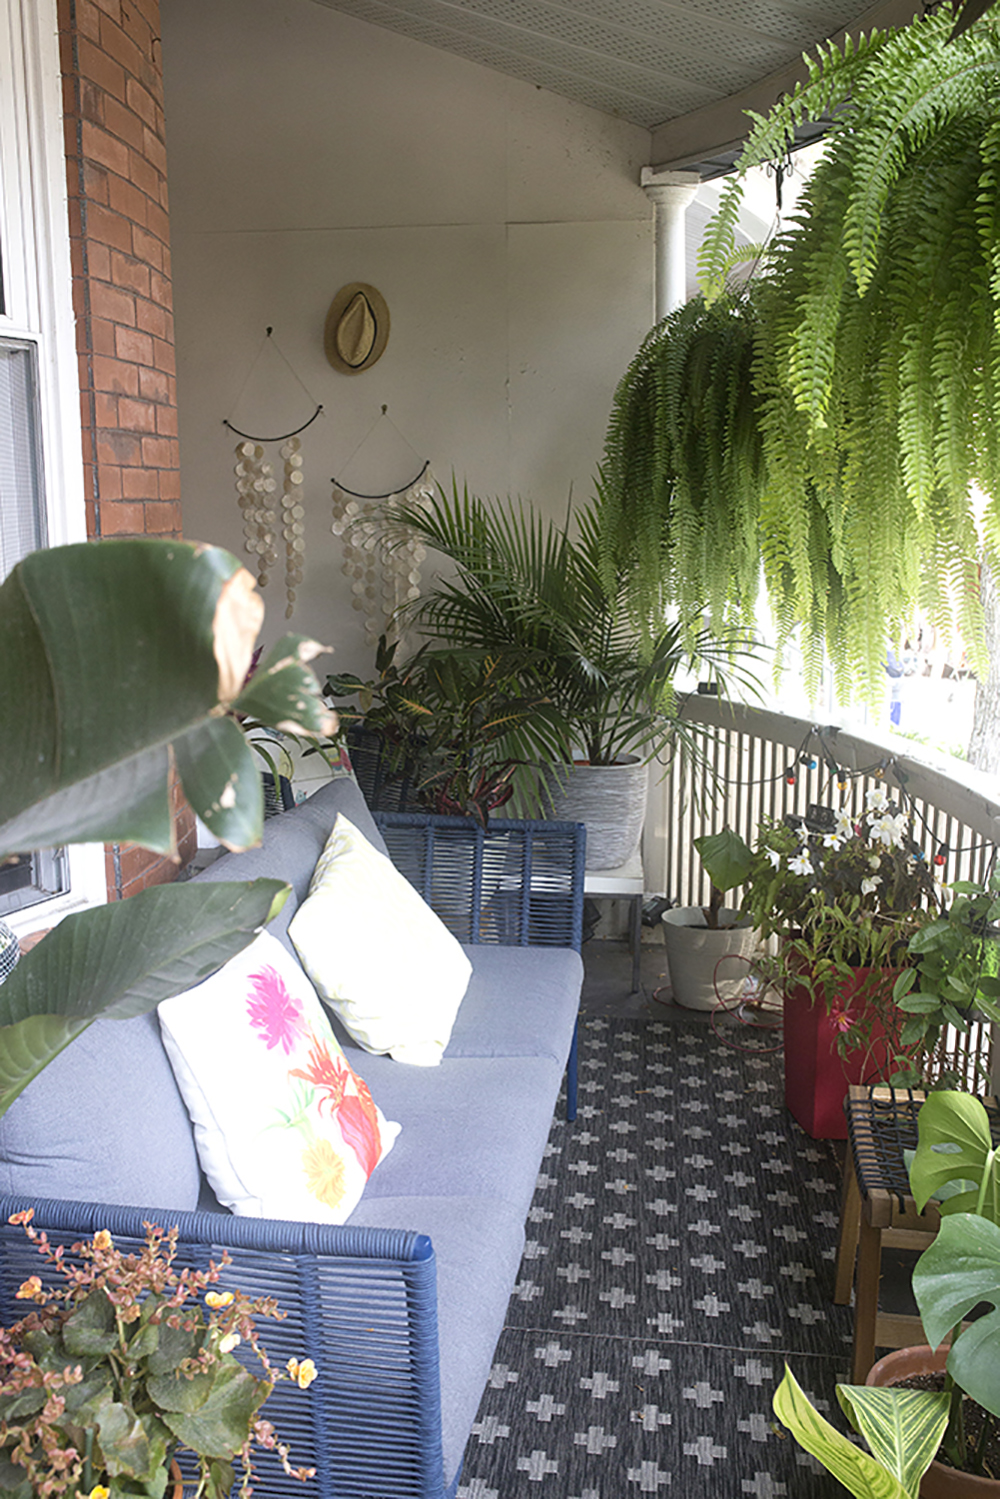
column 680, row 1249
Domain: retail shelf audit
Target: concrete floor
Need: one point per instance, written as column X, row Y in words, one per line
column 607, row 983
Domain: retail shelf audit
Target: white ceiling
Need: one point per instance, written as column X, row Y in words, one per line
column 683, row 69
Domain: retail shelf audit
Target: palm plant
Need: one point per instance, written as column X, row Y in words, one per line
column 833, row 416
column 528, row 593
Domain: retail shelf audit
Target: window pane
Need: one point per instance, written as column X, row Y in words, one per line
column 21, row 498
column 32, row 877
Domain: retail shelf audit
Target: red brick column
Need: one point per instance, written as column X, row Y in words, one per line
column 119, row 231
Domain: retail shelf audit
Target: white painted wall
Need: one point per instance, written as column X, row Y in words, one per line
column 504, row 226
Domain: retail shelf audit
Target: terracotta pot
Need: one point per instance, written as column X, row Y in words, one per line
column 817, row 1077
column 177, row 1480
column 939, row 1482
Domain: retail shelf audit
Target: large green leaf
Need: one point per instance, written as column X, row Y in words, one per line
column 860, row 1473
column 726, row 858
column 92, row 1328
column 959, row 1270
column 218, row 1428
column 955, row 1145
column 131, row 1446
column 903, row 1428
column 112, row 653
column 121, row 960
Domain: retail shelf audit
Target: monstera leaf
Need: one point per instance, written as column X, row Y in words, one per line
column 959, row 1270
column 955, row 1146
column 114, row 652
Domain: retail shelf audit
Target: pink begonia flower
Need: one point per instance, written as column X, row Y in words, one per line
column 841, row 1020
column 273, row 1011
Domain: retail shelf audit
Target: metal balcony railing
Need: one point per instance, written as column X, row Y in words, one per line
column 758, row 763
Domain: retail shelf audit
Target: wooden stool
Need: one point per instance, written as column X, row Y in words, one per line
column 878, row 1210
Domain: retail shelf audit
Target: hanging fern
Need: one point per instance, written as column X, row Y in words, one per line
column 830, row 418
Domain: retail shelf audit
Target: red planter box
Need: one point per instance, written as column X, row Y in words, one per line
column 816, row 1076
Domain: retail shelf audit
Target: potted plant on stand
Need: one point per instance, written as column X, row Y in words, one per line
column 867, row 950
column 528, row 591
column 938, row 1437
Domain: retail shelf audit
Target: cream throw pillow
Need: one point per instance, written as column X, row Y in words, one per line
column 284, row 1128
column 388, row 968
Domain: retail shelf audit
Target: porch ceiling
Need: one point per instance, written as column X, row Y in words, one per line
column 686, row 70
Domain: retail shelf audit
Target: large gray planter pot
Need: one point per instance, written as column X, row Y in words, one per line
column 694, row 952
column 610, row 799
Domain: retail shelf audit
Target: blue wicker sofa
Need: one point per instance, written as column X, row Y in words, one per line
column 400, row 1308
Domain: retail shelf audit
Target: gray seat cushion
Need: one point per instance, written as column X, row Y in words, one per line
column 521, row 1001
column 478, row 1245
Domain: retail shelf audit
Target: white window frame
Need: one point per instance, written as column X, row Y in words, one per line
column 37, row 270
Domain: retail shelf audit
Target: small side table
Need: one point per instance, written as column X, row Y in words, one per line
column 625, row 883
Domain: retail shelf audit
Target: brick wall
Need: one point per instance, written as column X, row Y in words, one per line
column 119, row 232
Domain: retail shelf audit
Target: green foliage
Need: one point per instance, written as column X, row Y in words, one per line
column 122, row 1360
column 961, row 1268
column 116, row 656
column 903, row 1428
column 858, row 403
column 953, row 973
column 534, row 598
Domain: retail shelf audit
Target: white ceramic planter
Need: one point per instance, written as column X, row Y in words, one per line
column 694, row 952
column 610, row 799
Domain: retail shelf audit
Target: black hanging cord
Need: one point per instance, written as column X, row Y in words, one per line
column 284, row 436
column 356, row 494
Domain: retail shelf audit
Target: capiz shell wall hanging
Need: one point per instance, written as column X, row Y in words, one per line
column 383, row 577
column 272, row 520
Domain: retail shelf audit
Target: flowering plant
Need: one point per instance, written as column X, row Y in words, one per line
column 124, row 1362
column 853, row 902
column 846, row 893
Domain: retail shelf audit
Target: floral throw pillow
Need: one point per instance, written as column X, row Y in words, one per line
column 284, row 1127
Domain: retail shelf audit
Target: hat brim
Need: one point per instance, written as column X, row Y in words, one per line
column 375, row 312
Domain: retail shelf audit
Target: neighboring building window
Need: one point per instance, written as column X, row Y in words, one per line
column 41, row 470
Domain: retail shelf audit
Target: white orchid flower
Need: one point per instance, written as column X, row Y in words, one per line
column 800, row 864
column 833, row 840
column 845, row 823
column 877, row 799
column 869, row 886
column 774, row 856
column 889, row 830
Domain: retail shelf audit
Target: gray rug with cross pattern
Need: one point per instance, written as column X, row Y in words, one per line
column 680, row 1249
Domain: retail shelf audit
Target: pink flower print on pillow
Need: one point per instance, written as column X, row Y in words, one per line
column 275, row 1013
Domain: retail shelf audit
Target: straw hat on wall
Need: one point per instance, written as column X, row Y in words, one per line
column 357, row 328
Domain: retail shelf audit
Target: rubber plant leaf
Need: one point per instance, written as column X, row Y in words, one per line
column 959, row 1270
column 858, row 1471
column 726, row 858
column 955, row 1145
column 112, row 653
column 121, row 960
column 903, row 1428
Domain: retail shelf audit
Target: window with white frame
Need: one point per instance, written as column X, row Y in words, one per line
column 41, row 475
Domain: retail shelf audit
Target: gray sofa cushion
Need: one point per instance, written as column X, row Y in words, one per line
column 140, row 1151
column 293, row 842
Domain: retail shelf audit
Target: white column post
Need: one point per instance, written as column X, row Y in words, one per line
column 671, row 192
